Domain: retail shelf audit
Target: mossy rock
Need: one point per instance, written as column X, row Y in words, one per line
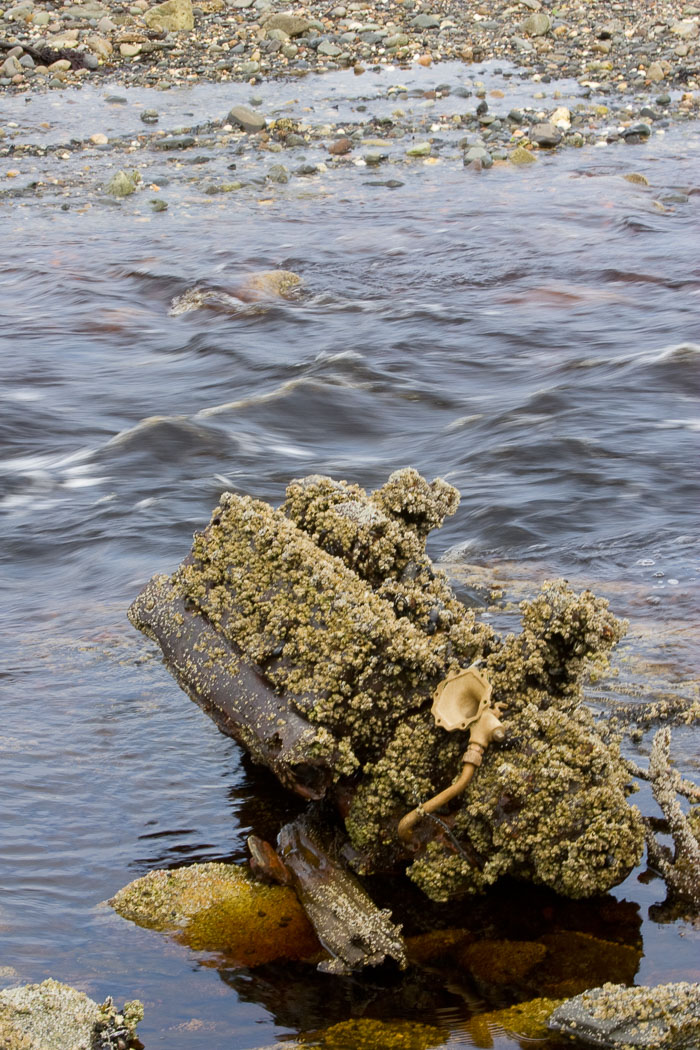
column 366, row 1034
column 221, row 908
column 423, row 947
column 502, row 962
column 557, row 964
column 576, row 961
column 525, row 1020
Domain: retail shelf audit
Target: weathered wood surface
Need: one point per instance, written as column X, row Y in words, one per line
column 347, row 923
column 214, row 674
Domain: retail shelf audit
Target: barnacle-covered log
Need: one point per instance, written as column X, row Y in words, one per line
column 212, row 671
column 680, row 867
column 348, row 924
column 335, row 613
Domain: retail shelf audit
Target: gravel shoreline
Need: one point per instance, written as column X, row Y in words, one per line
column 635, row 68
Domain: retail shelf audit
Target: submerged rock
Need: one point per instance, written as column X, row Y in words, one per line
column 364, row 1033
column 123, row 183
column 666, row 1017
column 262, row 287
column 54, row 1016
column 220, row 907
column 557, row 965
column 525, row 1020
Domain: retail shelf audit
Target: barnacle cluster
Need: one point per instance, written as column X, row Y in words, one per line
column 666, row 1016
column 55, row 1016
column 335, row 601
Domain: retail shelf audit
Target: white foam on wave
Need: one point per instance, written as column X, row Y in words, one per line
column 681, row 353
column 23, row 394
column 83, row 483
column 693, row 425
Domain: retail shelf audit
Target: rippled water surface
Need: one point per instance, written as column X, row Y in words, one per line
column 531, row 335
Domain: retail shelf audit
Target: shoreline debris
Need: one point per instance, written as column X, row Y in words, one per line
column 317, row 636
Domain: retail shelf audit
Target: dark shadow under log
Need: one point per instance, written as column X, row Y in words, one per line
column 213, row 673
column 348, row 924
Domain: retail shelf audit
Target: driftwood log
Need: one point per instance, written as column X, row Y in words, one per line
column 317, row 634
column 213, row 672
column 348, row 924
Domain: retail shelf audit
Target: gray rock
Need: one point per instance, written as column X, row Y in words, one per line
column 172, row 142
column 480, row 154
column 545, row 135
column 329, row 49
column 278, row 173
column 636, row 133
column 21, row 13
column 85, row 12
column 610, row 29
column 522, row 44
column 11, row 67
column 536, row 25
column 666, row 1017
column 292, row 25
column 248, row 119
column 397, row 40
column 426, row 22
column 123, row 184
column 687, row 29
column 174, row 16
column 149, row 116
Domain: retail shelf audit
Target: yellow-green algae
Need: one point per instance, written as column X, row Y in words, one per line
column 558, row 964
column 363, row 1033
column 423, row 947
column 335, row 601
column 220, row 907
column 502, row 962
column 54, row 1016
column 527, row 1020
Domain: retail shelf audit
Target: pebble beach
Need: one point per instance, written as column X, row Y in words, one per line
column 632, row 70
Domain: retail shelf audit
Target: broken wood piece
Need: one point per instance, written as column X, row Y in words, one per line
column 680, row 867
column 211, row 670
column 347, row 923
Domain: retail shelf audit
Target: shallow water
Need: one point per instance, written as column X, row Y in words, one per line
column 533, row 336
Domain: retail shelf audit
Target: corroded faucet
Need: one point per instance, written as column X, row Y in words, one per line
column 461, row 701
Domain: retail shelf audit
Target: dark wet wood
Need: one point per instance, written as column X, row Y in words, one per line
column 265, row 862
column 348, row 924
column 234, row 694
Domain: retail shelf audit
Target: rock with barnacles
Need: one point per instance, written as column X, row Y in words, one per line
column 254, row 292
column 54, row 1016
column 317, row 635
column 666, row 1017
